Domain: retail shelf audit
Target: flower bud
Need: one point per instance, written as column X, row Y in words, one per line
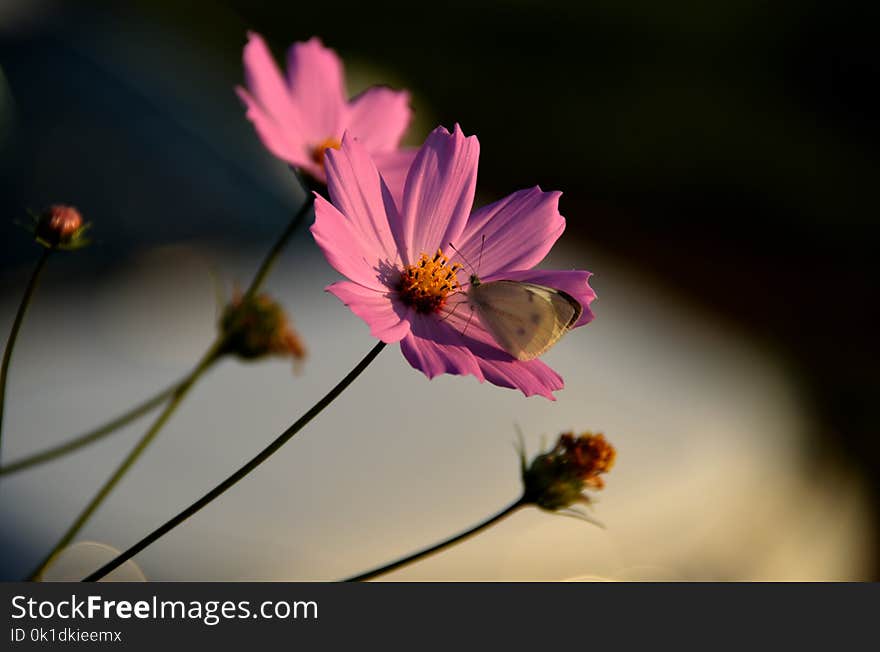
column 257, row 326
column 61, row 227
column 557, row 478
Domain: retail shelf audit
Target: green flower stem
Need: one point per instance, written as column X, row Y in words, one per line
column 272, row 255
column 111, row 426
column 214, row 352
column 16, row 326
column 229, row 482
column 210, row 357
column 427, row 552
column 91, row 436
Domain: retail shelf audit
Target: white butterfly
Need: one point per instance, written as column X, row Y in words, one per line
column 525, row 319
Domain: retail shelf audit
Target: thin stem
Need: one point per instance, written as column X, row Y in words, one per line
column 229, row 482
column 214, row 352
column 272, row 255
column 91, row 436
column 16, row 326
column 208, row 359
column 427, row 552
column 204, row 364
column 111, row 426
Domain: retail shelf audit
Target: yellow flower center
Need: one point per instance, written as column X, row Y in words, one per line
column 321, row 148
column 425, row 285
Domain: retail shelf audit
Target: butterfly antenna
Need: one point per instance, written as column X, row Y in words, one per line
column 466, row 261
column 480, row 259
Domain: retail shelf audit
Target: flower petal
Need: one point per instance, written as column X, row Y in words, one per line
column 317, row 86
column 282, row 142
column 346, row 248
column 532, row 377
column 386, row 319
column 358, row 192
column 439, row 192
column 394, row 166
column 460, row 345
column 379, row 117
column 269, row 106
column 516, row 232
column 264, row 80
column 434, row 348
column 574, row 282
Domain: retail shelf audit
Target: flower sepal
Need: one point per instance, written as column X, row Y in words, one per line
column 556, row 479
column 256, row 326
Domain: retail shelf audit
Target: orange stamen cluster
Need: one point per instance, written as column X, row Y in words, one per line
column 425, row 285
column 319, row 150
column 588, row 456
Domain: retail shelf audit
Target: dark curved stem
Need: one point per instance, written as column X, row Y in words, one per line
column 16, row 327
column 204, row 364
column 91, row 436
column 427, row 552
column 214, row 352
column 111, row 426
column 229, row 482
column 272, row 256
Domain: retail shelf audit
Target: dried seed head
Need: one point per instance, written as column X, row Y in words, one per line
column 257, row 326
column 557, row 478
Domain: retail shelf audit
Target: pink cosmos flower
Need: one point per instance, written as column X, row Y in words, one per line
column 300, row 118
column 408, row 293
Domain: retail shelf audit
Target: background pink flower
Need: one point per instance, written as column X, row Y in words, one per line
column 396, row 256
column 301, row 117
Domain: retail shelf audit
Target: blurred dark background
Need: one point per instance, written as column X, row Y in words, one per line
column 727, row 149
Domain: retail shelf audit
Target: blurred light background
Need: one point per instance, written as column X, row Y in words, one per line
column 718, row 163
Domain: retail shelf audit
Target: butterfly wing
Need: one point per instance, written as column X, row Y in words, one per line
column 525, row 319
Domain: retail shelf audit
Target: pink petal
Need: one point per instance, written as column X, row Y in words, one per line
column 439, row 193
column 264, row 81
column 317, row 86
column 357, row 191
column 379, row 117
column 282, row 142
column 346, row 247
column 574, row 282
column 434, row 348
column 269, row 106
column 394, row 166
column 516, row 232
column 532, row 377
column 387, row 320
column 460, row 345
